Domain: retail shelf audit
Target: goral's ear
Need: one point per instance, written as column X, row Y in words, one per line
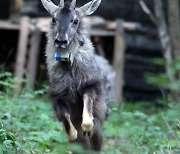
column 49, row 6
column 90, row 7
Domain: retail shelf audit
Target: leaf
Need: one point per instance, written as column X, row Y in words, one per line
column 39, row 92
column 140, row 115
column 159, row 61
column 7, row 142
column 174, row 143
column 10, row 136
column 5, row 74
column 44, row 117
column 28, row 95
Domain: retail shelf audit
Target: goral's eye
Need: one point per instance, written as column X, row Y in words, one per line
column 76, row 22
column 53, row 20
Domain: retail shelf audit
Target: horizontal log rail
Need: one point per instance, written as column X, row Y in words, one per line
column 100, row 27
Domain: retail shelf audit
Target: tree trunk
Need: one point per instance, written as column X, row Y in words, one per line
column 164, row 37
column 168, row 44
column 174, row 27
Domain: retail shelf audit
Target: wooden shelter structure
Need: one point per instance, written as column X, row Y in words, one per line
column 130, row 47
column 30, row 37
column 128, row 54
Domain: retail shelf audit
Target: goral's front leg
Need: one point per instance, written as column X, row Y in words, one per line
column 87, row 116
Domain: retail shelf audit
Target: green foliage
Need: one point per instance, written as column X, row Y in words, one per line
column 147, row 131
column 28, row 125
column 162, row 79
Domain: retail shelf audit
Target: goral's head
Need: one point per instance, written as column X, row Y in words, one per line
column 66, row 19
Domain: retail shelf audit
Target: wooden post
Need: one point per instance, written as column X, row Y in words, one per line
column 98, row 44
column 118, row 60
column 22, row 51
column 15, row 9
column 33, row 57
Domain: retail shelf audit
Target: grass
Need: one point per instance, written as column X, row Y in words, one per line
column 28, row 125
column 143, row 128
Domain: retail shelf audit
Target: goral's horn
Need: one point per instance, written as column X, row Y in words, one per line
column 61, row 3
column 49, row 6
column 73, row 4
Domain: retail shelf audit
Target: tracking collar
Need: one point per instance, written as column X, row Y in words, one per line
column 64, row 56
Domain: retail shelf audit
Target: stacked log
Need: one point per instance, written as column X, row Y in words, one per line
column 143, row 47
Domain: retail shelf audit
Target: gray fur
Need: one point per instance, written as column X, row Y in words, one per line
column 69, row 82
column 108, row 79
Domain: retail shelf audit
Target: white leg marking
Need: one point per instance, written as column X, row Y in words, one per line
column 72, row 132
column 87, row 118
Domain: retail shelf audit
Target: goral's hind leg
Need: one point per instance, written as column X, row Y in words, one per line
column 63, row 115
column 96, row 139
column 69, row 127
column 87, row 116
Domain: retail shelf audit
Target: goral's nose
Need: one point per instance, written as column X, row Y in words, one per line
column 60, row 43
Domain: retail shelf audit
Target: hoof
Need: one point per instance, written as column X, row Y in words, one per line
column 87, row 125
column 72, row 135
